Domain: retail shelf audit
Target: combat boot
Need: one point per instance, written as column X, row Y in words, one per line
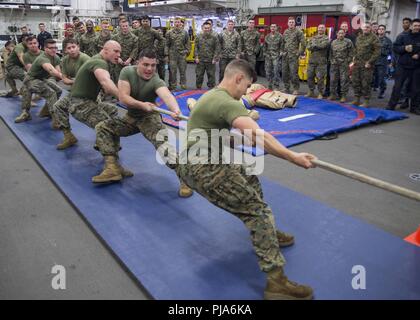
column 125, row 172
column 285, row 239
column 68, row 141
column 44, row 113
column 24, row 116
column 332, row 98
column 111, row 172
column 280, row 288
column 320, row 97
column 365, row 103
column 356, row 101
column 184, row 190
column 183, row 87
column 310, row 94
column 343, row 99
column 12, row 93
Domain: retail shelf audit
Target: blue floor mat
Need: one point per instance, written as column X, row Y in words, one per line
column 311, row 119
column 189, row 249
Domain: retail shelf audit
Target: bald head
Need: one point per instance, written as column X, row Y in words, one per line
column 111, row 51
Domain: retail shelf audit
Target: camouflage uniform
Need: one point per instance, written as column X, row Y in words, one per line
column 88, row 43
column 160, row 51
column 341, row 55
column 250, row 43
column 292, row 40
column 207, row 48
column 109, row 131
column 100, row 41
column 129, row 49
column 230, row 188
column 14, row 68
column 230, row 47
column 272, row 45
column 148, row 38
column 38, row 81
column 69, row 68
column 86, row 111
column 368, row 49
column 318, row 46
column 177, row 48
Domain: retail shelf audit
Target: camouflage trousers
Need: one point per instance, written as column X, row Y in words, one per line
column 340, row 75
column 13, row 73
column 161, row 68
column 110, row 130
column 252, row 59
column 61, row 112
column 290, row 69
column 229, row 188
column 86, row 111
column 222, row 66
column 362, row 80
column 272, row 71
column 177, row 62
column 208, row 68
column 47, row 89
column 317, row 70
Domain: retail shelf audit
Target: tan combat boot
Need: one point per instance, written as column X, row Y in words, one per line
column 184, row 190
column 320, row 96
column 310, row 94
column 125, row 172
column 110, row 173
column 343, row 99
column 68, row 141
column 24, row 116
column 285, row 239
column 44, row 113
column 356, row 101
column 280, row 288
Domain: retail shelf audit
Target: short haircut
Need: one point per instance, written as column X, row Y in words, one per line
column 291, row 18
column 148, row 53
column 75, row 18
column 8, row 43
column 416, row 20
column 145, row 17
column 242, row 66
column 382, row 25
column 123, row 20
column 209, row 21
column 374, row 22
column 30, row 38
column 25, row 36
column 206, row 24
column 407, row 19
column 66, row 42
column 229, row 21
column 41, row 24
column 49, row 41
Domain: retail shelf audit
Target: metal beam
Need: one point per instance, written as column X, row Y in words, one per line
column 336, row 8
